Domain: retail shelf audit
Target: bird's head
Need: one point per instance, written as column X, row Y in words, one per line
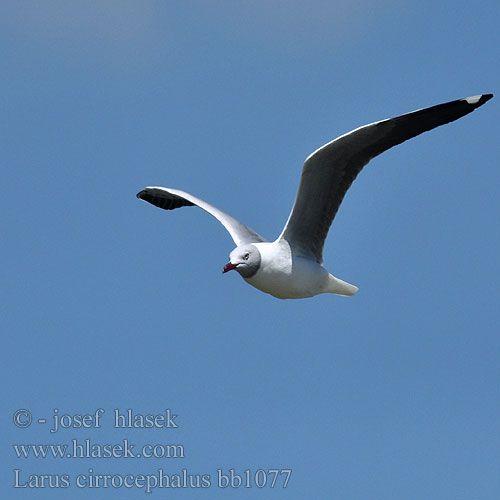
column 245, row 259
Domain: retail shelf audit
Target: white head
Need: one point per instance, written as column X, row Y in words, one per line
column 245, row 259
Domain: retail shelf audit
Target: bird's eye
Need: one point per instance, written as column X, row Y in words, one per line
column 246, row 256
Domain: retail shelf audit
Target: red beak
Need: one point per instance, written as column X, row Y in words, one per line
column 229, row 267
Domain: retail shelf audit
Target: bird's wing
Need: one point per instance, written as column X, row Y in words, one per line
column 330, row 170
column 169, row 199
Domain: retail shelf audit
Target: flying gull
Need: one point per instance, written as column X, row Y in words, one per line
column 291, row 266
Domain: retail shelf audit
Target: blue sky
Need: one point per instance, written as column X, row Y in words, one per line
column 110, row 303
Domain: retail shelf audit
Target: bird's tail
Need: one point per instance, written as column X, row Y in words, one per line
column 341, row 287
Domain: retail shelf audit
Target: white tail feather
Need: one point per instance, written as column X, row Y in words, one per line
column 341, row 287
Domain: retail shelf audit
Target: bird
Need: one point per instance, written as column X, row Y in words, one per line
column 291, row 267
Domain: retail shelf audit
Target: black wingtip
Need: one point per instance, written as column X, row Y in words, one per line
column 478, row 100
column 485, row 98
column 162, row 198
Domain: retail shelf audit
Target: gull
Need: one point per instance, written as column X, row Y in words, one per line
column 291, row 267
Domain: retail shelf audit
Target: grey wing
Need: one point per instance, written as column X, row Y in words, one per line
column 329, row 171
column 170, row 199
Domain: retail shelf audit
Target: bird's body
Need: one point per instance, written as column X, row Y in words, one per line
column 291, row 267
column 288, row 276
